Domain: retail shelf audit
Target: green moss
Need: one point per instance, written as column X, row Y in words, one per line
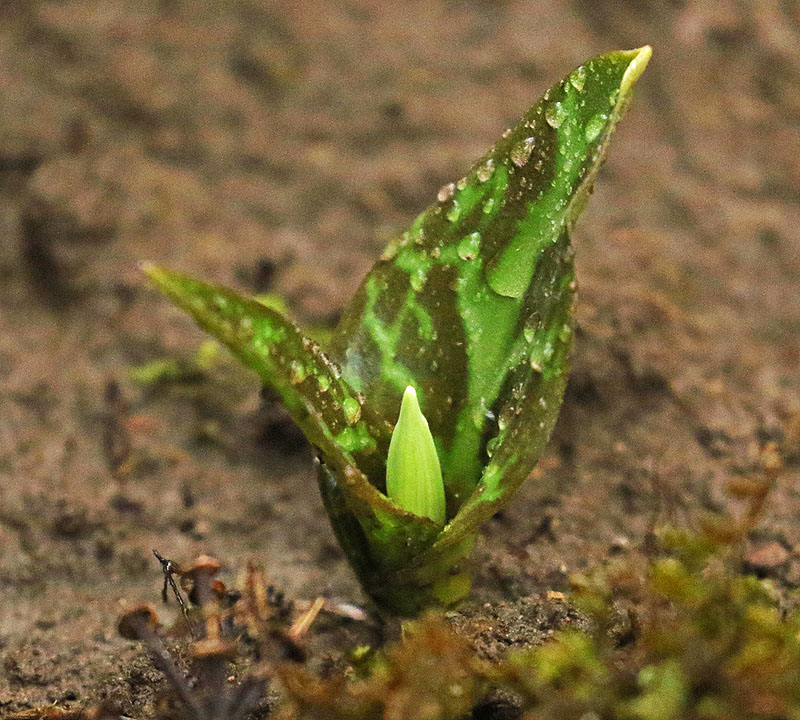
column 707, row 643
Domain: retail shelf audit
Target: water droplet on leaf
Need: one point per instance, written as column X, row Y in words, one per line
column 418, row 278
column 352, row 410
column 486, row 170
column 522, row 151
column 555, row 114
column 470, row 246
column 578, row 78
column 532, row 324
column 595, row 125
column 298, row 372
column 445, row 192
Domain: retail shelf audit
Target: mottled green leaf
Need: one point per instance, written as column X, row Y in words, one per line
column 527, row 418
column 326, row 408
column 471, row 305
column 331, row 415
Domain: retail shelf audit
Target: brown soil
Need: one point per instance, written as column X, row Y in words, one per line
column 277, row 145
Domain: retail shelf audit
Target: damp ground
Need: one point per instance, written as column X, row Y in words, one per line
column 277, row 147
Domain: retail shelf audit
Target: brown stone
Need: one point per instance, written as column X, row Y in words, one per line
column 768, row 557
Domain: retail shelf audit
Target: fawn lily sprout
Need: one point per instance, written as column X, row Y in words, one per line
column 474, row 304
column 413, row 473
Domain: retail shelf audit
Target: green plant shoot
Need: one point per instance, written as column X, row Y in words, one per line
column 413, row 474
column 472, row 306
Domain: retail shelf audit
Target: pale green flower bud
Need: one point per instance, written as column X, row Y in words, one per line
column 413, row 474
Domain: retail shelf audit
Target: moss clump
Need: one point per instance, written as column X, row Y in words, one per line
column 684, row 634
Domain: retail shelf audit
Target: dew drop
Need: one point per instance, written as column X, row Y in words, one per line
column 532, row 324
column 522, row 151
column 488, row 206
column 297, row 372
column 491, row 446
column 455, row 212
column 470, row 246
column 352, row 410
column 486, row 170
column 461, row 184
column 324, row 383
column 555, row 114
column 481, row 413
column 445, row 192
column 595, row 125
column 578, row 78
column 418, row 279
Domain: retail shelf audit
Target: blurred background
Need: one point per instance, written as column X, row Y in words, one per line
column 276, row 146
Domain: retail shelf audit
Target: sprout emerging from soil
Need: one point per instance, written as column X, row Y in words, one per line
column 472, row 307
column 413, row 474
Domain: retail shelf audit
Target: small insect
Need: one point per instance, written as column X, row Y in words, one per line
column 170, row 568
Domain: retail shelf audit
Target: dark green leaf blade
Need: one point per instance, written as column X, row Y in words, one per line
column 332, row 416
column 456, row 306
column 328, row 411
column 526, row 419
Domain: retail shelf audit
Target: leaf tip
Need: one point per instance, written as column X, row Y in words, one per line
column 153, row 272
column 641, row 56
column 413, row 474
column 410, row 398
column 165, row 280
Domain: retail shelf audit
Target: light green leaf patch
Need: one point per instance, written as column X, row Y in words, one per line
column 413, row 474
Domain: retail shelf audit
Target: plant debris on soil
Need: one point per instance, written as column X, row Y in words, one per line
column 276, row 147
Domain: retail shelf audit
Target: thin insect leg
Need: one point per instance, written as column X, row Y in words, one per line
column 170, row 568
